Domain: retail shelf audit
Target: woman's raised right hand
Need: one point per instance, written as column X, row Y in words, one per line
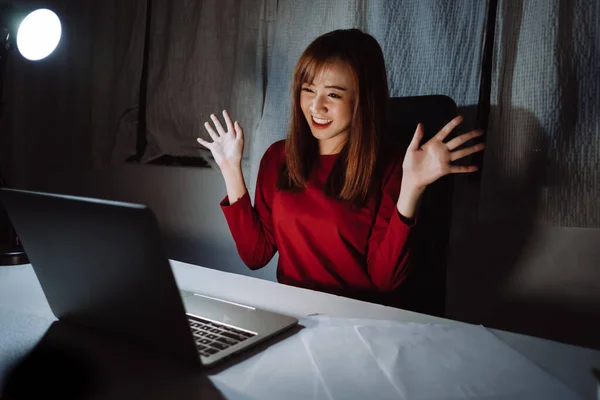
column 227, row 145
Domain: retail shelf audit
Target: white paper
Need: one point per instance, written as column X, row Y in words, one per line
column 334, row 358
column 459, row 362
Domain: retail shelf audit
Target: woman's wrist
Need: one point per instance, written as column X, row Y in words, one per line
column 231, row 168
column 234, row 182
column 409, row 199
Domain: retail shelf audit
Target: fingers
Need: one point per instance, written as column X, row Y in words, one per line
column 459, row 140
column 232, row 129
column 228, row 121
column 457, row 169
column 239, row 131
column 203, row 143
column 458, row 154
column 449, row 127
column 218, row 125
column 415, row 143
column 211, row 132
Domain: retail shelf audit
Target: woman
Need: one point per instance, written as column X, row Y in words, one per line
column 337, row 207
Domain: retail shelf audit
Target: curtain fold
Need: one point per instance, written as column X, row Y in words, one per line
column 205, row 56
column 543, row 146
column 117, row 55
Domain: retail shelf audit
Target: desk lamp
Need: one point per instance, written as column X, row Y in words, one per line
column 37, row 35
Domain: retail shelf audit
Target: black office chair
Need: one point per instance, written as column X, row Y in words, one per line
column 424, row 290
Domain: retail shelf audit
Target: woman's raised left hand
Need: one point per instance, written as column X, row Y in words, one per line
column 425, row 164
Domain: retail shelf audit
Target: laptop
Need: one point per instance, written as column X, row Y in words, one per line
column 102, row 266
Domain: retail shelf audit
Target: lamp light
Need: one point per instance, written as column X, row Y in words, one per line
column 37, row 36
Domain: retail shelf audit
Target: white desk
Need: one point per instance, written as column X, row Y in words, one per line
column 22, row 304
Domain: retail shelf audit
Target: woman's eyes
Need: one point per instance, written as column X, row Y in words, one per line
column 332, row 95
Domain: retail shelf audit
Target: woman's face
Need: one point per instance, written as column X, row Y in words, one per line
column 327, row 104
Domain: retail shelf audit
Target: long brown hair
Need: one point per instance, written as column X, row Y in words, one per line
column 352, row 174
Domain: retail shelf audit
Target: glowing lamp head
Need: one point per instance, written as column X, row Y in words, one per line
column 39, row 34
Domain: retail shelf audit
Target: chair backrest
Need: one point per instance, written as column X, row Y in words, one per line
column 425, row 288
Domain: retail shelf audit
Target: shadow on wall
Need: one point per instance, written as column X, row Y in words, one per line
column 506, row 269
column 499, row 274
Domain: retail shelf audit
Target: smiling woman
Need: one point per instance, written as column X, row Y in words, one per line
column 337, row 206
column 339, row 77
column 327, row 102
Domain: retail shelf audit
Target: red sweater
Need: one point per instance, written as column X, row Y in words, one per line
column 323, row 243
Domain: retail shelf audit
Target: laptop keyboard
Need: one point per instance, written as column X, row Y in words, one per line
column 212, row 337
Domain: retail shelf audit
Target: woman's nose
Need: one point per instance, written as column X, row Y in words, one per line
column 318, row 105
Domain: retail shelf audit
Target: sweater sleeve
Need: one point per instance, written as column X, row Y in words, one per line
column 252, row 227
column 387, row 256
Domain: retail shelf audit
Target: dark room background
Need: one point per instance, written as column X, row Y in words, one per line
column 525, row 241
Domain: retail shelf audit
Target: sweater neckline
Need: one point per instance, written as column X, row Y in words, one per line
column 326, row 156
